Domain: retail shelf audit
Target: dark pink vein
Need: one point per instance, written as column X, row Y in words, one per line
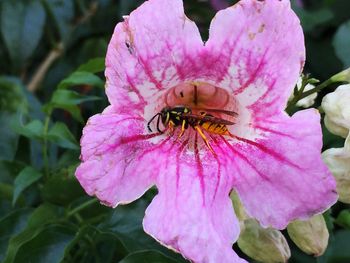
column 268, row 151
column 253, row 75
column 245, row 159
column 274, row 131
column 199, row 168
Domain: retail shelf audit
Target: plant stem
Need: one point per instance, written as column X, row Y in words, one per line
column 81, row 207
column 309, row 92
column 40, row 73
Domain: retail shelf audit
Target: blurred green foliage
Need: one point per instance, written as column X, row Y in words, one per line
column 52, row 61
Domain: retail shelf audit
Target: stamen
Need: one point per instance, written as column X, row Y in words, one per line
column 182, row 128
column 204, row 139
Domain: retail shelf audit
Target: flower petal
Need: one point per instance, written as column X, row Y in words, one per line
column 118, row 163
column 281, row 176
column 257, row 50
column 152, row 49
column 193, row 213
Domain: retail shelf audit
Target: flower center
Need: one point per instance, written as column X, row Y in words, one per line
column 195, row 108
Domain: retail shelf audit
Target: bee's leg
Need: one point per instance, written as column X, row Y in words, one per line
column 183, row 127
column 199, row 130
column 171, row 126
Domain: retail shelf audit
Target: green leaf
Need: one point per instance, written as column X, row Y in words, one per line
column 11, row 225
column 9, row 139
column 61, row 135
column 68, row 100
column 62, row 189
column 338, row 248
column 311, row 19
column 61, row 13
column 22, row 23
column 6, row 192
column 110, row 247
column 12, row 104
column 146, row 257
column 12, row 97
column 94, row 65
column 48, row 246
column 343, row 219
column 126, row 223
column 32, row 130
column 74, row 110
column 9, row 171
column 41, row 244
column 69, row 97
column 36, row 224
column 341, row 43
column 68, row 158
column 81, row 78
column 99, row 246
column 44, row 214
column 327, row 215
column 24, row 179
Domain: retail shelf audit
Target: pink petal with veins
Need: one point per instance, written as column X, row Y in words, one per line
column 118, row 164
column 281, row 176
column 249, row 65
column 192, row 212
column 257, row 50
column 153, row 49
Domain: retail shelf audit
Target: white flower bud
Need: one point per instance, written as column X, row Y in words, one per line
column 307, row 101
column 266, row 245
column 311, row 236
column 336, row 105
column 338, row 162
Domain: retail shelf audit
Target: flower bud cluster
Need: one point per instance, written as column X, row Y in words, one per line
column 268, row 245
column 337, row 120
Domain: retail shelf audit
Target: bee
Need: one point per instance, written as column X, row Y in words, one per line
column 172, row 117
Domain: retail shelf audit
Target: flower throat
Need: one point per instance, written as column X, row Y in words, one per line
column 200, row 119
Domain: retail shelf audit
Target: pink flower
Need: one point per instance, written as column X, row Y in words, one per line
column 249, row 65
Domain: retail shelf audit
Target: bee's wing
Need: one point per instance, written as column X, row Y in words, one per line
column 209, row 119
column 227, row 112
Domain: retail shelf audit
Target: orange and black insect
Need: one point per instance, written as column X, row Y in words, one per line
column 172, row 117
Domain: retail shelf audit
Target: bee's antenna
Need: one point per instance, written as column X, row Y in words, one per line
column 158, row 120
column 150, row 121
